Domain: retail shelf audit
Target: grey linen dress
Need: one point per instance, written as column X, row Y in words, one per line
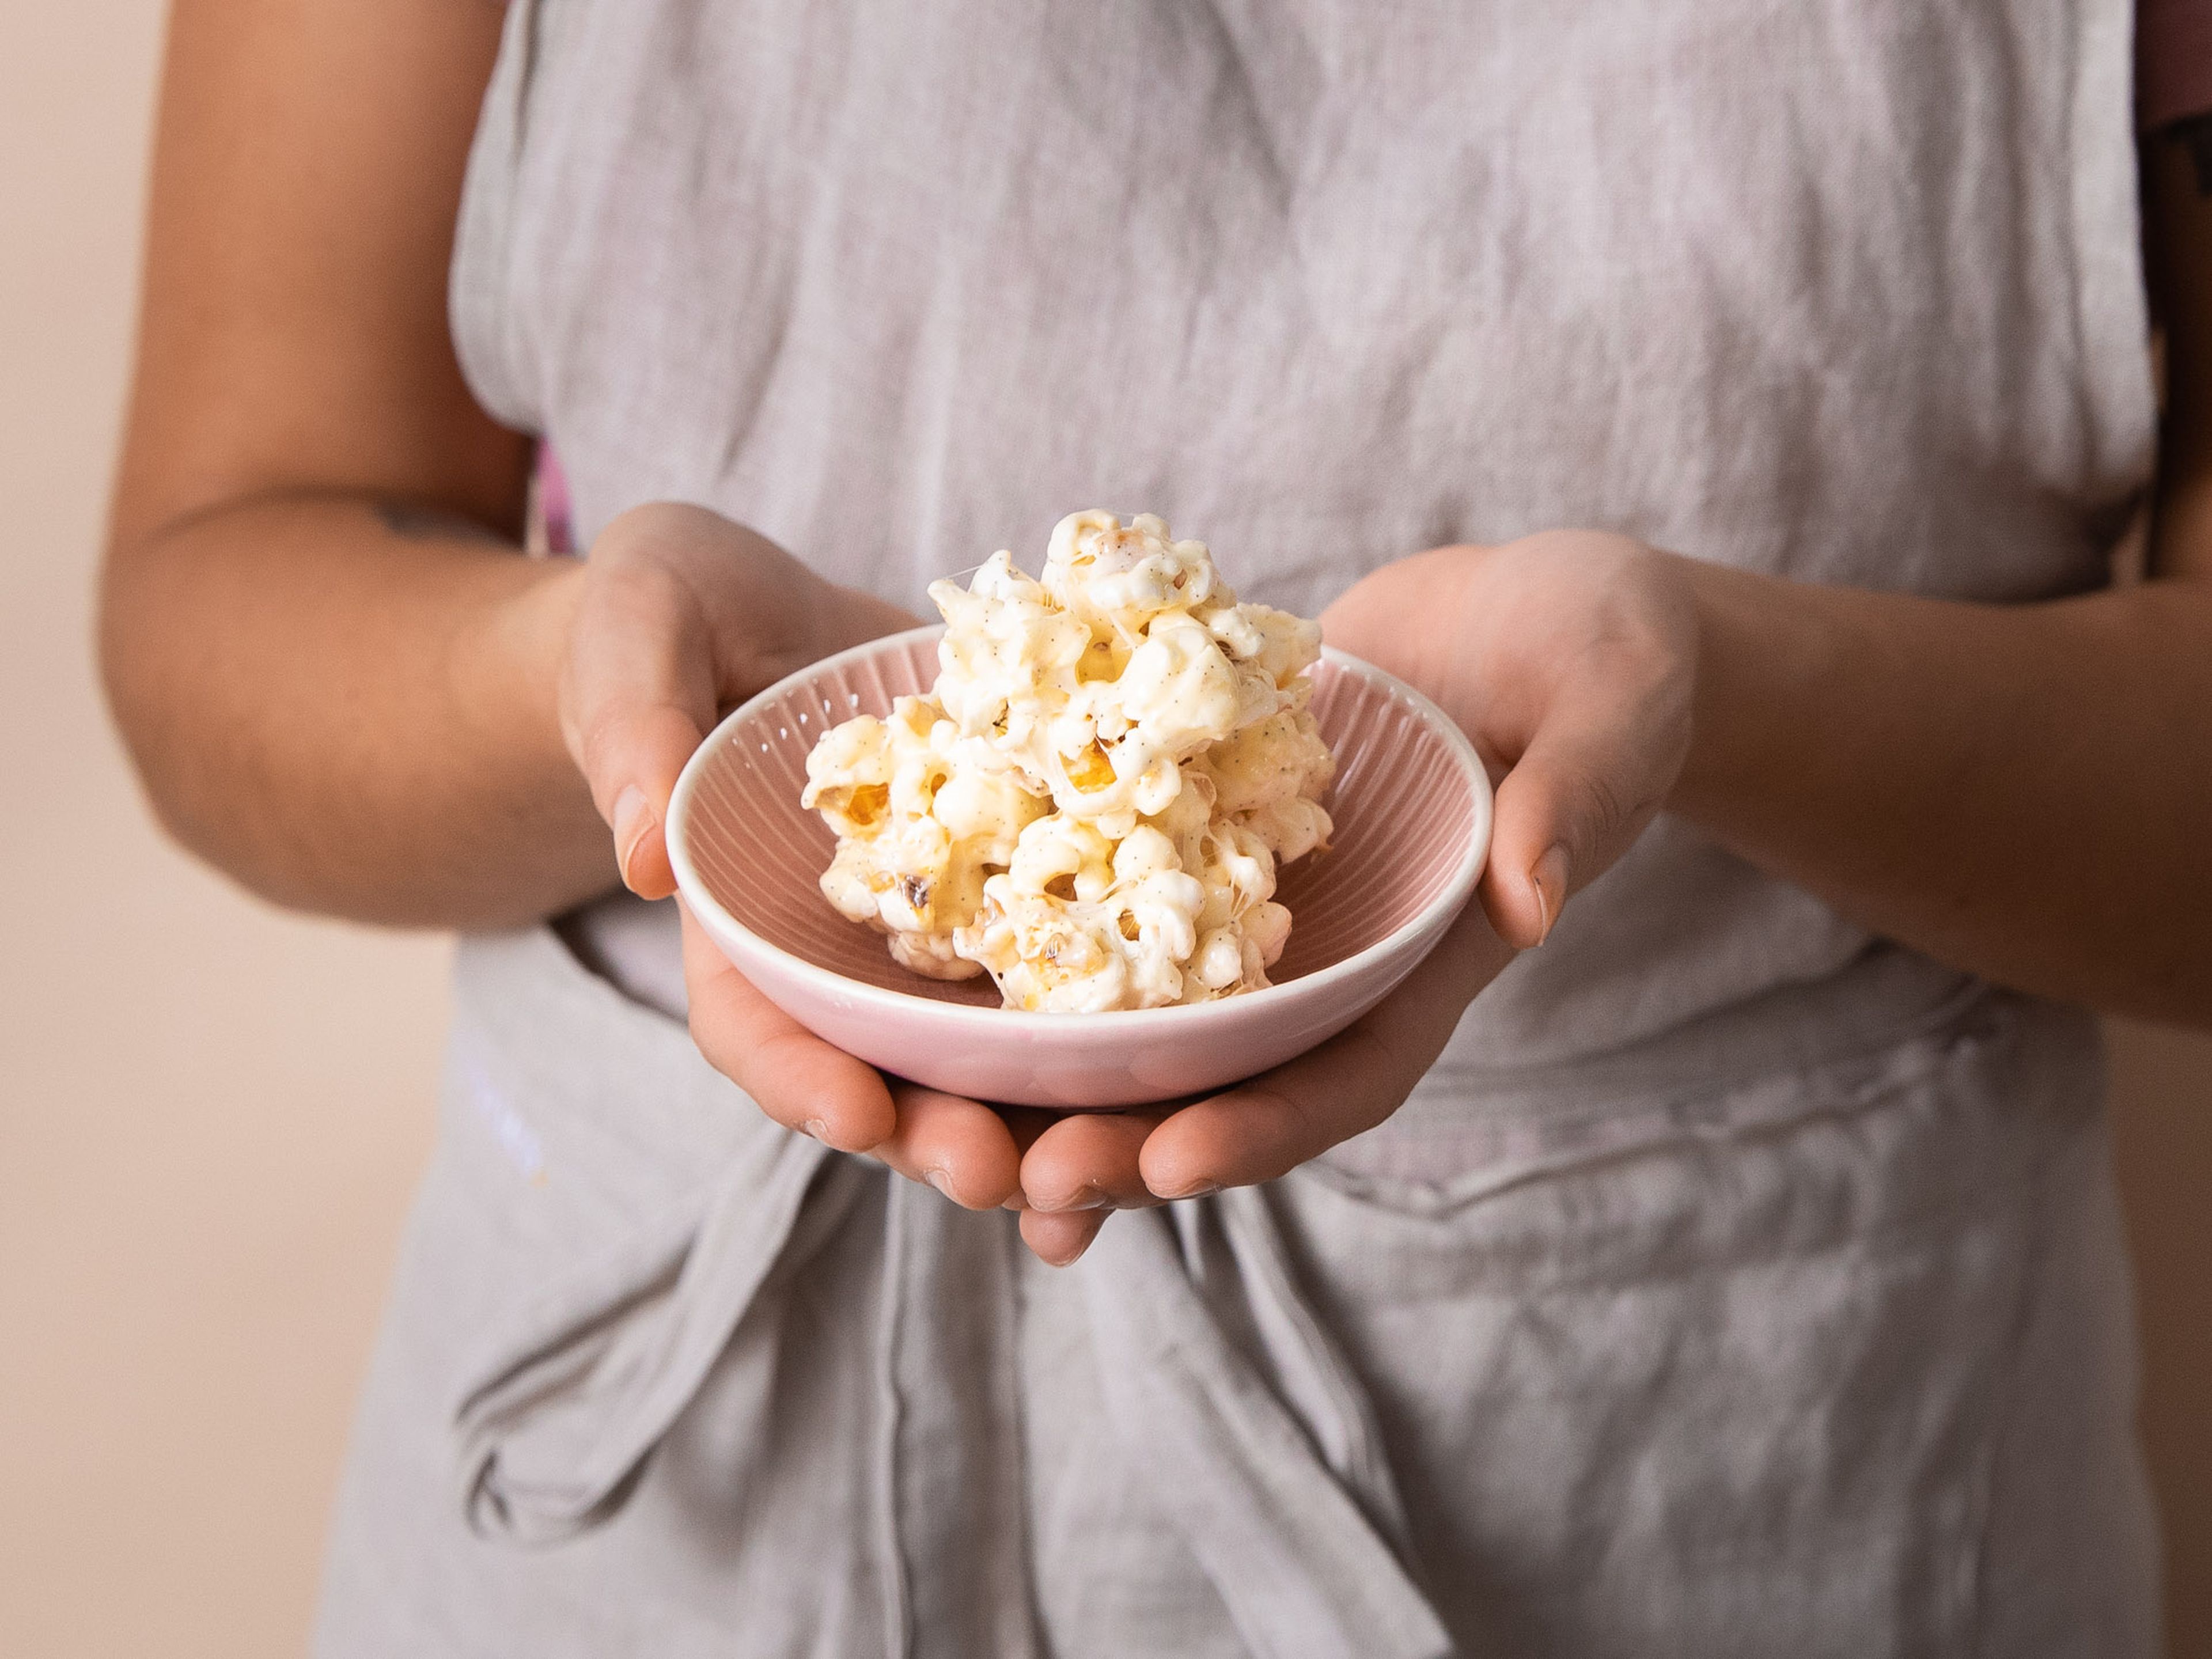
column 1738, row 1283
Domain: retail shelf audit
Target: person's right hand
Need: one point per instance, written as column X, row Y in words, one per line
column 682, row 614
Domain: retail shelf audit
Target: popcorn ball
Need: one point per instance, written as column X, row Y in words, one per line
column 1092, row 802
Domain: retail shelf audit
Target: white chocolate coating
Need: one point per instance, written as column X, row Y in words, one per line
column 1092, row 801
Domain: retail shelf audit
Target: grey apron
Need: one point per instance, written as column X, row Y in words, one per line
column 1737, row 1284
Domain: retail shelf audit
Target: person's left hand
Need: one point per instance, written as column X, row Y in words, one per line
column 1570, row 660
column 1087, row 1165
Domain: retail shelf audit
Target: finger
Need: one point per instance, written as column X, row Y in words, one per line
column 1088, row 1161
column 638, row 698
column 960, row 1146
column 802, row 1082
column 1589, row 781
column 858, row 616
column 1026, row 1124
column 1269, row 1126
column 1058, row 1240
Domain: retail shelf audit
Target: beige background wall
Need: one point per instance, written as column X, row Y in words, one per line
column 210, row 1114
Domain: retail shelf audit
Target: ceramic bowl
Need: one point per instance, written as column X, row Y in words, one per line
column 1412, row 808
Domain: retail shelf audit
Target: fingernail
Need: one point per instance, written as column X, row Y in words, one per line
column 941, row 1180
column 1199, row 1189
column 817, row 1129
column 633, row 818
column 1075, row 1255
column 1548, row 876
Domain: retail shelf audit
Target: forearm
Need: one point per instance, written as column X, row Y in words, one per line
column 355, row 718
column 2023, row 791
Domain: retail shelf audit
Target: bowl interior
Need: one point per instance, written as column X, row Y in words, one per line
column 1403, row 807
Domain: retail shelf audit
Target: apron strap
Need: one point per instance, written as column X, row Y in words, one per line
column 571, row 1398
column 1289, row 1520
column 950, row 1494
column 1268, row 1462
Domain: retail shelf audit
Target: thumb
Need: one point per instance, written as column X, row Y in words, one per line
column 638, row 700
column 1580, row 794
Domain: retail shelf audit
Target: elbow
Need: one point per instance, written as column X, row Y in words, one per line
column 156, row 683
column 127, row 655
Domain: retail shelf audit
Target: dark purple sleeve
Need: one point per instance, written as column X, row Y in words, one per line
column 2173, row 61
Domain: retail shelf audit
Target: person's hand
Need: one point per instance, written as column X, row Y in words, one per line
column 1570, row 660
column 682, row 614
column 1082, row 1168
column 967, row 1150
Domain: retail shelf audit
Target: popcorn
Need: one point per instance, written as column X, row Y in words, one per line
column 1092, row 801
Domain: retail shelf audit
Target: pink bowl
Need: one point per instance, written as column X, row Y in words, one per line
column 1412, row 807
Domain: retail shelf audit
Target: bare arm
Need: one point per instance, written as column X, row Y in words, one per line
column 332, row 667
column 340, row 681
column 2025, row 791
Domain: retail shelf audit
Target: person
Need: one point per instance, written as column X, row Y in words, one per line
column 1770, row 389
